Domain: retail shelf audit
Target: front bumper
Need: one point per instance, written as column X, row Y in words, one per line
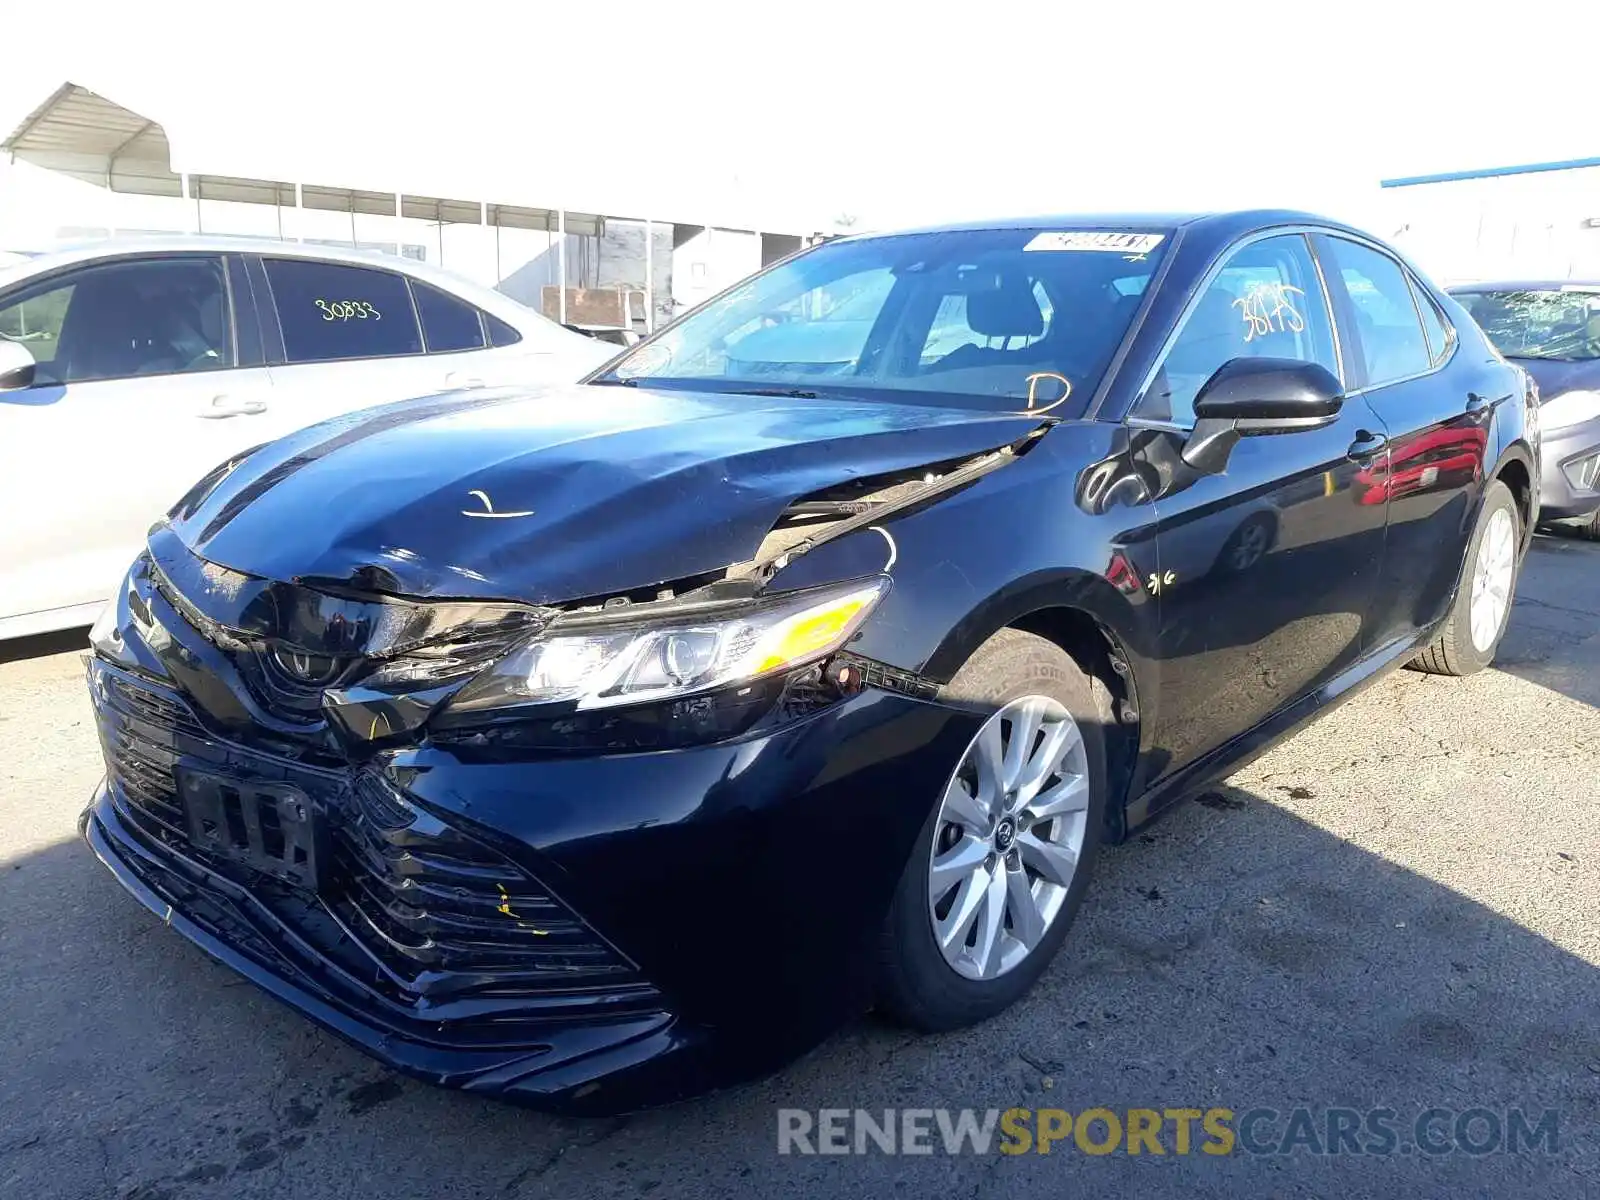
column 704, row 916
column 1570, row 482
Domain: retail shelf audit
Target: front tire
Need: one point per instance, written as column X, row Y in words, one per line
column 1482, row 607
column 1000, row 867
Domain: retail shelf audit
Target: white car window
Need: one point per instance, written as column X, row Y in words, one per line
column 330, row 311
column 125, row 320
column 449, row 323
column 501, row 334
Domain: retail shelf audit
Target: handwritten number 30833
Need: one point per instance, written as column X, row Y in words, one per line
column 343, row 310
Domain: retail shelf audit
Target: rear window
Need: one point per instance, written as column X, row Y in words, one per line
column 331, row 311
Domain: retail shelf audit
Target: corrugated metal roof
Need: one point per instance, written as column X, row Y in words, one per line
column 82, row 134
column 75, row 120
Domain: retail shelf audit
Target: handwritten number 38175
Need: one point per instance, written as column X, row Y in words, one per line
column 344, row 310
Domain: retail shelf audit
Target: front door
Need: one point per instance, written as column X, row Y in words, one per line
column 1265, row 573
column 136, row 395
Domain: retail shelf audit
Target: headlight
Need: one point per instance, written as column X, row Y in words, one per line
column 602, row 662
column 1569, row 408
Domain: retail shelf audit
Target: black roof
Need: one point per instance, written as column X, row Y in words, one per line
column 1223, row 223
column 1119, row 220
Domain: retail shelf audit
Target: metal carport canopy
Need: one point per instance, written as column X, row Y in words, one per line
column 79, row 133
column 254, row 155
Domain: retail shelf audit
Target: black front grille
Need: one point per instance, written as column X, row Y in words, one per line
column 431, row 920
column 409, row 646
column 140, row 743
column 445, row 914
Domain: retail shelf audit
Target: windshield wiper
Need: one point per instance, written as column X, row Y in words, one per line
column 790, row 393
column 613, row 381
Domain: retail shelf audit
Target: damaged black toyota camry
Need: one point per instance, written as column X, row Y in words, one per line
column 601, row 746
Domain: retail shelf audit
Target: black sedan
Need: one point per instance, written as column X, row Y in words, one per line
column 597, row 747
column 1551, row 329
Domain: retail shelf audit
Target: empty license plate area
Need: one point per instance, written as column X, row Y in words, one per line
column 270, row 827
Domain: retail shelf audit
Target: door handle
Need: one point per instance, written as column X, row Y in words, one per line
column 457, row 380
column 1366, row 446
column 227, row 406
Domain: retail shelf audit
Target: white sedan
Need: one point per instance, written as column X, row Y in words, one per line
column 129, row 368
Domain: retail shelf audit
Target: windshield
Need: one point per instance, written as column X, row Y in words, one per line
column 1554, row 323
column 1002, row 318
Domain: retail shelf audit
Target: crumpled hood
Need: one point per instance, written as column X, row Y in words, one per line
column 553, row 495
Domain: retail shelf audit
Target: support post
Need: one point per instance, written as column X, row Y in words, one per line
column 191, row 217
column 649, row 276
column 561, row 260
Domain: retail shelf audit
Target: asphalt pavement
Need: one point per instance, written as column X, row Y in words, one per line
column 1397, row 909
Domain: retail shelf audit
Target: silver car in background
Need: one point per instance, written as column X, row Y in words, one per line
column 1551, row 329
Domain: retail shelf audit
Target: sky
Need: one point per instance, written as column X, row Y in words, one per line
column 889, row 113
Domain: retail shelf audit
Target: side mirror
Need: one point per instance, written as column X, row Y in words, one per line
column 16, row 366
column 1252, row 396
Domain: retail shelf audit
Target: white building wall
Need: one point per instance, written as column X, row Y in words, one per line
column 711, row 260
column 1532, row 225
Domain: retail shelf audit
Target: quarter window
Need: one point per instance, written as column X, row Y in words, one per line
column 331, row 311
column 1441, row 336
column 1388, row 327
column 500, row 334
column 448, row 322
column 1265, row 302
column 166, row 316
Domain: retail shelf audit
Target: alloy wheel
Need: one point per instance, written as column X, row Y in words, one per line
column 1009, row 837
column 1492, row 577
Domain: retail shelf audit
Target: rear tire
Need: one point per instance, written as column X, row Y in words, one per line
column 1017, row 679
column 1456, row 650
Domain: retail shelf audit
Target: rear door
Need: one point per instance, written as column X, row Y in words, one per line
column 142, row 387
column 1266, row 571
column 1431, row 471
column 344, row 337
column 475, row 348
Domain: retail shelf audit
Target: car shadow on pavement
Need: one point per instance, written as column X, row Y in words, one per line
column 1234, row 955
column 41, row 645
